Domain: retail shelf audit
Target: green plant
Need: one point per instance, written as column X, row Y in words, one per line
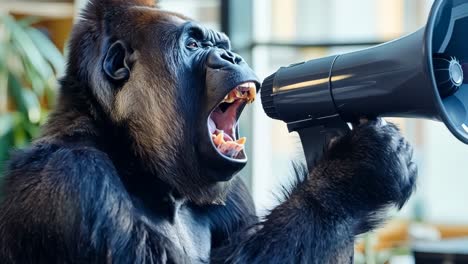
column 29, row 65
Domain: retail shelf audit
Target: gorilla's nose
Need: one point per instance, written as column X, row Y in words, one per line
column 231, row 57
column 220, row 58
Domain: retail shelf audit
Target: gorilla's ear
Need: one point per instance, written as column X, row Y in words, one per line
column 117, row 62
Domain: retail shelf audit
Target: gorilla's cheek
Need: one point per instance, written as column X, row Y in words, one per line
column 148, row 110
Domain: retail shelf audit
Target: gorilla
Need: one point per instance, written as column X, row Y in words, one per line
column 138, row 162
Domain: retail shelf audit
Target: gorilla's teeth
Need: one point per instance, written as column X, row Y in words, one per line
column 230, row 149
column 230, row 98
column 252, row 94
column 219, row 139
column 246, row 91
column 241, row 141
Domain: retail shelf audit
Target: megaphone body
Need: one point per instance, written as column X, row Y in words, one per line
column 421, row 75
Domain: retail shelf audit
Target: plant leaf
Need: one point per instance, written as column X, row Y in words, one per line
column 22, row 41
column 47, row 49
column 6, row 142
column 6, row 124
column 32, row 130
column 51, row 93
column 3, row 82
column 37, row 83
column 20, row 138
column 27, row 101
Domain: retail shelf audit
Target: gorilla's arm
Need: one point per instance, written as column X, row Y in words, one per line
column 359, row 175
column 67, row 205
column 297, row 231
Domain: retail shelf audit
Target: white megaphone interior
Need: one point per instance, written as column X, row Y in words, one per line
column 447, row 33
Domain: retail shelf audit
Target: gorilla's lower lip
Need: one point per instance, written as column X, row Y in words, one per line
column 223, row 121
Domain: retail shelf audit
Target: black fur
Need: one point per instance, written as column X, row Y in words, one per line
column 111, row 184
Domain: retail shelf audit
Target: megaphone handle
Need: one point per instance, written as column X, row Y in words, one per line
column 314, row 139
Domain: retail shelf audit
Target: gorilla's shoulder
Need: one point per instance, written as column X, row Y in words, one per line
column 50, row 160
column 60, row 200
column 55, row 185
column 63, row 173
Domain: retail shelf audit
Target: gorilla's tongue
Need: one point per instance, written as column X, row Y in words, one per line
column 222, row 127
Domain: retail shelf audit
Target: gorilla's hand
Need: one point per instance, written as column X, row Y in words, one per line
column 358, row 176
column 364, row 172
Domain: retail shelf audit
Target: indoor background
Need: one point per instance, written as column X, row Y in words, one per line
column 274, row 33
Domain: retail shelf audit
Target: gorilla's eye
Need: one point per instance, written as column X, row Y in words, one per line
column 192, row 44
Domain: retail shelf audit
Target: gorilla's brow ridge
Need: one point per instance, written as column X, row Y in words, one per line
column 202, row 34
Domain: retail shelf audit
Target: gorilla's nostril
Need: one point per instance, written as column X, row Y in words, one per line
column 219, row 58
column 228, row 56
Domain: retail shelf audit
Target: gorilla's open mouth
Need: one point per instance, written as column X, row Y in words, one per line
column 223, row 121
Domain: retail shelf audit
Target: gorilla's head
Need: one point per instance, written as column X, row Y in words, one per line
column 171, row 90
